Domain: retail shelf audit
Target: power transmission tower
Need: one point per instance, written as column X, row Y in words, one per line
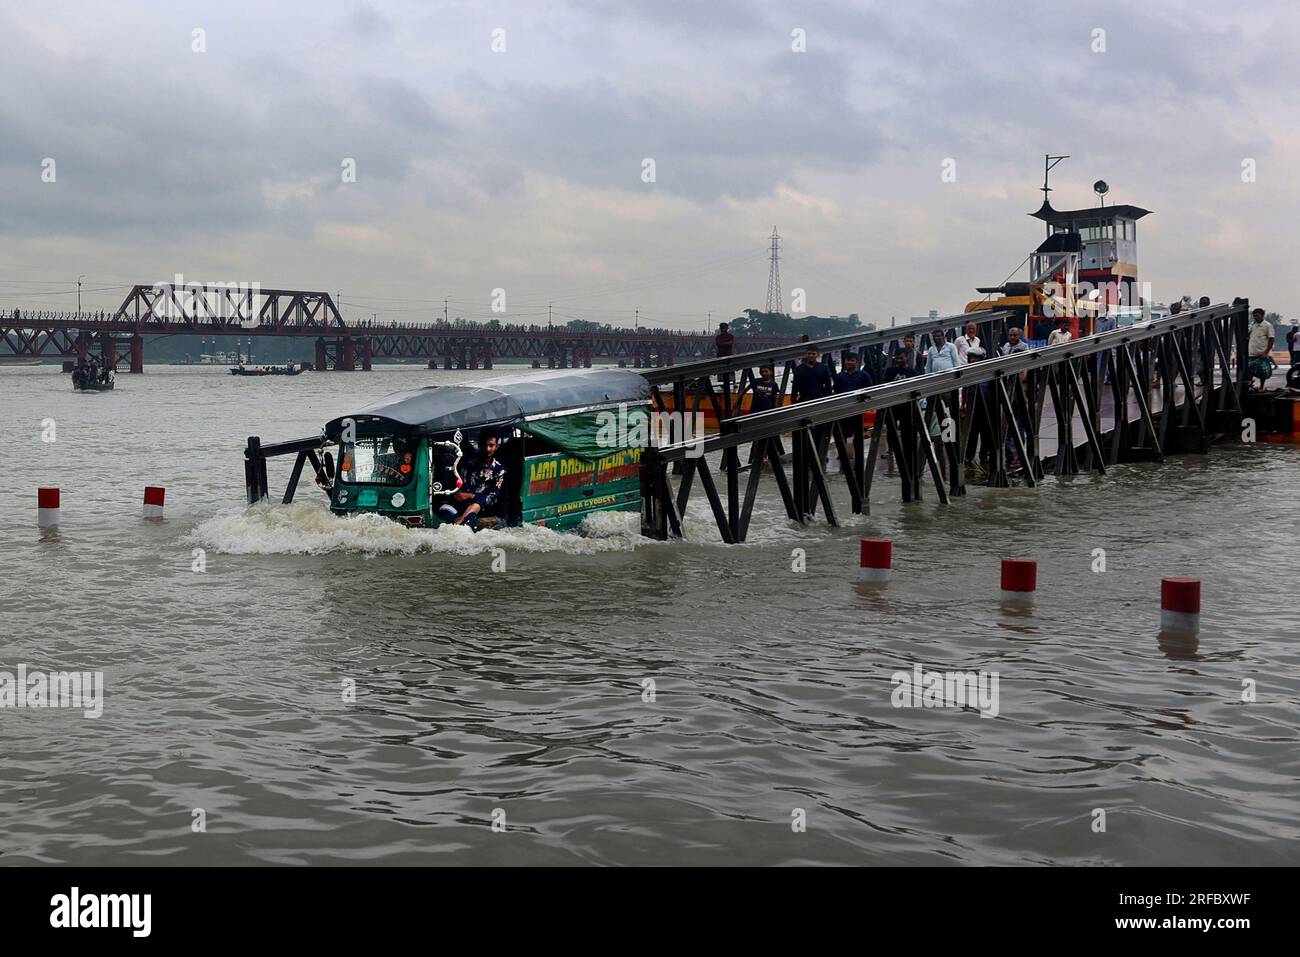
column 774, row 275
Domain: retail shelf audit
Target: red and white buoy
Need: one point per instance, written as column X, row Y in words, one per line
column 1019, row 580
column 153, row 501
column 47, row 507
column 1180, row 605
column 876, row 561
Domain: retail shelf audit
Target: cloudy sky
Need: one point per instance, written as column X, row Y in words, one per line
column 222, row 154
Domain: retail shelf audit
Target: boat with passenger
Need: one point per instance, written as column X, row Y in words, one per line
column 92, row 379
column 288, row 369
column 545, row 449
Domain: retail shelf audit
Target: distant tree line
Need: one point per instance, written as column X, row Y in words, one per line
column 757, row 323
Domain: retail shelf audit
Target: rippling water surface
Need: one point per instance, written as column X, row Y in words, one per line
column 522, row 693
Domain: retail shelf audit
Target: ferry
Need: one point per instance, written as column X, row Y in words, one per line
column 1084, row 269
column 216, row 359
column 560, row 437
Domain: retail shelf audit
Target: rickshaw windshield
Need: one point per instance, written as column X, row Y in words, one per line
column 382, row 460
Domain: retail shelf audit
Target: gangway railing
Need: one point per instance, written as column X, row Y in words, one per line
column 692, row 383
column 982, row 408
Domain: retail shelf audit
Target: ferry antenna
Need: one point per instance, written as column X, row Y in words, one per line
column 1049, row 164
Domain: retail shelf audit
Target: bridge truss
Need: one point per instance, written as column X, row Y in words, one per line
column 217, row 309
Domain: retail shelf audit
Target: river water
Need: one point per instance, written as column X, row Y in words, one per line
column 606, row 699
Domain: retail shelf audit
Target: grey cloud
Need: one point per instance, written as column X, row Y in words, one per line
column 741, row 145
column 146, row 150
column 364, row 22
column 159, row 150
column 711, row 20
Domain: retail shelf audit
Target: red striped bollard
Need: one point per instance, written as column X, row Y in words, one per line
column 876, row 560
column 47, row 507
column 1180, row 605
column 1019, row 580
column 153, row 501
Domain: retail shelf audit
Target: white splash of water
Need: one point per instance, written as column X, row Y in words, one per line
column 298, row 529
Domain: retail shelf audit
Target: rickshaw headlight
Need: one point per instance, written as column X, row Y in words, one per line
column 398, row 500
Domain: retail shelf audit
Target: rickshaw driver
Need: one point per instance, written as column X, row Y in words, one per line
column 484, row 482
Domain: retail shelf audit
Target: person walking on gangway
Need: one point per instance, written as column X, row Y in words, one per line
column 1259, row 348
column 940, row 357
column 812, row 379
column 968, row 343
column 1012, row 346
column 850, row 379
column 766, row 395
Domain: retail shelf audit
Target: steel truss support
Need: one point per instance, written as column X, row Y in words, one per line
column 986, row 410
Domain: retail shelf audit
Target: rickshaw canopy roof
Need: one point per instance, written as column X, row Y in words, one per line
column 499, row 401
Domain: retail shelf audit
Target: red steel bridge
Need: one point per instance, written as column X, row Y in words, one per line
column 215, row 309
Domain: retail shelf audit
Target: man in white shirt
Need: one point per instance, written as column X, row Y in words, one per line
column 1014, row 343
column 1259, row 348
column 968, row 342
column 1261, row 335
column 942, row 354
column 1059, row 335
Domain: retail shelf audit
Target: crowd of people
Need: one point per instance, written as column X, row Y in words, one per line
column 815, row 378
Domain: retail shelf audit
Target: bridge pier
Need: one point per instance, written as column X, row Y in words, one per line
column 365, row 355
column 137, row 353
column 321, row 364
column 446, row 361
column 349, row 359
